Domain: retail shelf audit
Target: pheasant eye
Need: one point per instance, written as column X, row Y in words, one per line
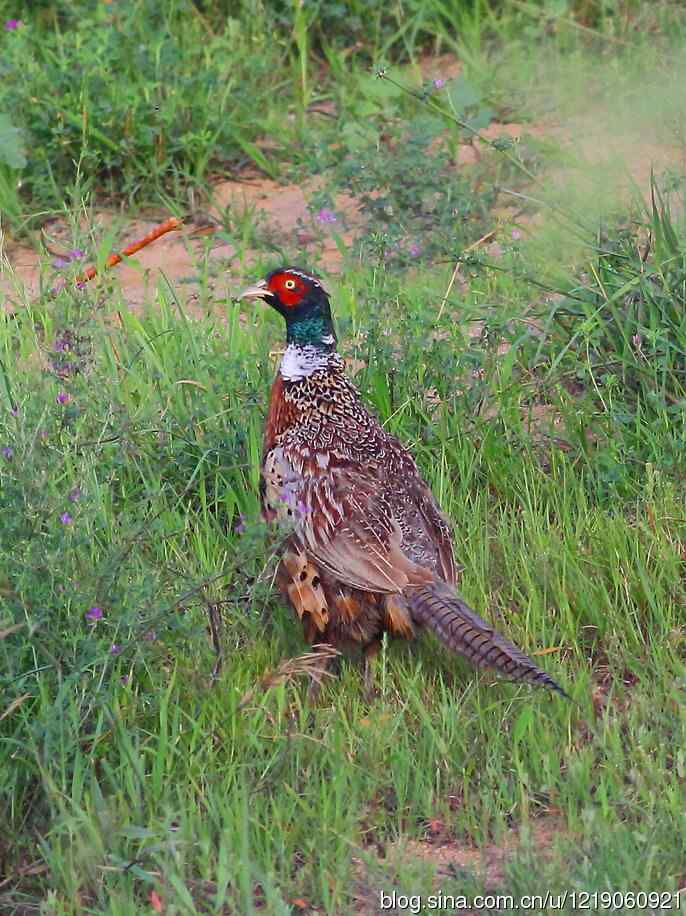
column 289, row 284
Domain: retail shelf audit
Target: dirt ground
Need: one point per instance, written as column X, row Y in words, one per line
column 283, row 211
column 449, row 859
column 178, row 256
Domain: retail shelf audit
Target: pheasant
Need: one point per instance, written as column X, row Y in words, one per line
column 367, row 549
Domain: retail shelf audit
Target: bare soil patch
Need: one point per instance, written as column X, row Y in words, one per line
column 283, row 212
column 487, row 863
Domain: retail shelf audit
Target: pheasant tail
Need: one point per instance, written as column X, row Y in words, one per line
column 437, row 607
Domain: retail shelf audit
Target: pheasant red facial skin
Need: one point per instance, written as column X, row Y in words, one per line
column 289, row 286
column 369, row 550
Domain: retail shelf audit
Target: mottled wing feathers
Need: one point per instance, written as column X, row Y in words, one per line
column 352, row 533
column 438, row 527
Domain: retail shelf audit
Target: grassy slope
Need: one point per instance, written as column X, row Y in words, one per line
column 122, row 769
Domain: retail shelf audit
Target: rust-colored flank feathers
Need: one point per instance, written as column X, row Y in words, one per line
column 368, row 549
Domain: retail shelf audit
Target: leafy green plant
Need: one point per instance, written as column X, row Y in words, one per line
column 402, row 173
column 12, row 160
column 629, row 318
column 617, row 343
column 183, row 99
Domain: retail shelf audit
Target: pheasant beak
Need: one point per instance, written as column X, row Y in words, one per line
column 257, row 291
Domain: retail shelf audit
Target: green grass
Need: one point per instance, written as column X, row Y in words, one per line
column 130, row 759
column 198, row 86
column 195, row 90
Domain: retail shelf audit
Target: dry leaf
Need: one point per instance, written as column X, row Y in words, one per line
column 15, row 704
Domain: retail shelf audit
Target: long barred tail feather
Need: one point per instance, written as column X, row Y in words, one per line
column 437, row 607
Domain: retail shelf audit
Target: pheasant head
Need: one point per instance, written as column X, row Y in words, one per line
column 304, row 304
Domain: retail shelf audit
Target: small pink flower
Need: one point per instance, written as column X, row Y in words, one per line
column 637, row 340
column 66, row 518
column 326, row 216
column 438, row 83
column 414, row 250
column 63, row 398
column 94, row 614
column 12, row 24
column 516, row 234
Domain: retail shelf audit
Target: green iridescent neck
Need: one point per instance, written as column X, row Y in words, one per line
column 314, row 331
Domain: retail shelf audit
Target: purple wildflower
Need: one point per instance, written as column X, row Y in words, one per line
column 63, row 260
column 438, row 83
column 326, row 216
column 516, row 234
column 12, row 24
column 124, row 679
column 414, row 250
column 14, row 411
column 94, row 614
column 66, row 518
column 63, row 398
column 115, row 649
column 75, row 495
column 7, row 452
column 288, row 496
column 239, row 527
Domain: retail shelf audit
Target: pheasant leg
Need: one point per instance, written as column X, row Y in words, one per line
column 319, row 672
column 370, row 653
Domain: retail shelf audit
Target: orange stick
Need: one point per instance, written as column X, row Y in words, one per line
column 152, row 236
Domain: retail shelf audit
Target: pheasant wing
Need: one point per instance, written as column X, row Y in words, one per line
column 351, row 530
column 438, row 529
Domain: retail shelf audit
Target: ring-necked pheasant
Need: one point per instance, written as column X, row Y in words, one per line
column 369, row 549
